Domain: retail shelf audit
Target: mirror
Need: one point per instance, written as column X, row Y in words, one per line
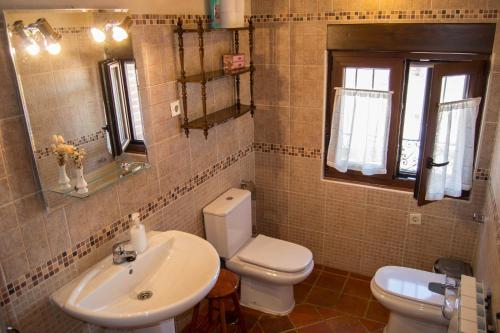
column 79, row 87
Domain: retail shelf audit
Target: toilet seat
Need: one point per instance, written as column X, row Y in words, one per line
column 275, row 254
column 283, row 274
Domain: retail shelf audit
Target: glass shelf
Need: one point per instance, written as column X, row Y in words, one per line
column 104, row 177
column 219, row 117
column 210, row 76
column 208, row 29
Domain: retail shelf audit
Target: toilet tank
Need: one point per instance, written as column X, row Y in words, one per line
column 228, row 221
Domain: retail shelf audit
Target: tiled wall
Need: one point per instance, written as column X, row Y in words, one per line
column 347, row 226
column 488, row 256
column 41, row 251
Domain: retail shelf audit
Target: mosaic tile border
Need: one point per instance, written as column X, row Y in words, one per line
column 16, row 288
column 160, row 19
column 275, row 148
column 383, row 15
column 96, row 136
column 482, row 174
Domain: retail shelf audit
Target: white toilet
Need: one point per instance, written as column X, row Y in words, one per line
column 268, row 267
column 413, row 307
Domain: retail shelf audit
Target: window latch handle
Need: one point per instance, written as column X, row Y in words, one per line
column 431, row 164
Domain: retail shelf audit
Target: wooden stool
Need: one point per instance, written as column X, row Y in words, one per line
column 225, row 288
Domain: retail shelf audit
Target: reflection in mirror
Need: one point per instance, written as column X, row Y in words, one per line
column 77, row 80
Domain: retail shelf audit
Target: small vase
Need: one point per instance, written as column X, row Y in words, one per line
column 81, row 184
column 63, row 178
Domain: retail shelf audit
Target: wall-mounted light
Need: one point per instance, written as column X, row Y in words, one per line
column 52, row 37
column 118, row 31
column 49, row 37
column 98, row 35
column 27, row 40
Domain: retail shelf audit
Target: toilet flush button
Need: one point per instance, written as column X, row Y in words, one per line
column 229, row 198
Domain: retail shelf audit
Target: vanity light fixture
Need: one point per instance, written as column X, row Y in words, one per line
column 28, row 42
column 118, row 31
column 49, row 37
column 52, row 37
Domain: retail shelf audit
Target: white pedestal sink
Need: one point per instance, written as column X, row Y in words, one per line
column 175, row 272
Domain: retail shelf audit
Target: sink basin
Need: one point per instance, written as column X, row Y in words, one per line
column 175, row 272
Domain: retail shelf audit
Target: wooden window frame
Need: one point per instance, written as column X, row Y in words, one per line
column 338, row 60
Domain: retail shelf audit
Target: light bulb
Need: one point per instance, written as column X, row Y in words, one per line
column 54, row 48
column 119, row 34
column 33, row 49
column 98, row 35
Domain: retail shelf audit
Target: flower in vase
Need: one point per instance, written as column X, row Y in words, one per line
column 60, row 149
column 77, row 155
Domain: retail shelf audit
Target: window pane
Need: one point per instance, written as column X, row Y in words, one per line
column 366, row 78
column 381, row 79
column 350, row 78
column 454, row 88
column 414, row 109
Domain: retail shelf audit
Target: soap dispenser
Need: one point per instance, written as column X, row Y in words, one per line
column 138, row 236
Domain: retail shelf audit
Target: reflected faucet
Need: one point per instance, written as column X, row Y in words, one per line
column 120, row 255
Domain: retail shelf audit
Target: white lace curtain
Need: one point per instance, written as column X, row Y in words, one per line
column 454, row 143
column 360, row 131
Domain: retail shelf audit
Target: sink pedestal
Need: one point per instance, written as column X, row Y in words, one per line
column 166, row 326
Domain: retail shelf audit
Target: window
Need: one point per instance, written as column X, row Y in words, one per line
column 396, row 120
column 123, row 110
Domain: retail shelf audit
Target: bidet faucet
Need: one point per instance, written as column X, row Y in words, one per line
column 120, row 255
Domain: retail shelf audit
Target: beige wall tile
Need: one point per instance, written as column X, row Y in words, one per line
column 272, row 206
column 464, row 241
column 306, row 88
column 78, row 225
column 305, row 176
column 345, row 220
column 272, row 171
column 346, row 192
column 311, row 239
column 342, row 253
column 272, row 125
column 57, row 232
column 387, row 199
column 307, row 43
column 385, row 226
column 376, row 255
column 306, row 212
column 431, row 237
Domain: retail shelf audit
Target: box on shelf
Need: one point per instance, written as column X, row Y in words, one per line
column 233, row 61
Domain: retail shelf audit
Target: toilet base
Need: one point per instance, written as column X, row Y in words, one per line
column 265, row 297
column 402, row 324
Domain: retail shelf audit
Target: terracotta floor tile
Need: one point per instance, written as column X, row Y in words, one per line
column 311, row 279
column 336, row 271
column 360, row 277
column 327, row 313
column 371, row 325
column 256, row 329
column 352, row 305
column 378, row 312
column 304, row 314
column 300, row 292
column 359, row 288
column 322, row 297
column 331, row 281
column 346, row 324
column 251, row 316
column 275, row 324
column 316, row 328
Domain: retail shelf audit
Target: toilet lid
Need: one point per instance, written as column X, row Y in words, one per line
column 276, row 254
column 409, row 283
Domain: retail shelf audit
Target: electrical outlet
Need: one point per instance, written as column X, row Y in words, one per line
column 415, row 218
column 175, row 108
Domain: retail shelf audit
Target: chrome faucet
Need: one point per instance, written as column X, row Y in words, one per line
column 120, row 255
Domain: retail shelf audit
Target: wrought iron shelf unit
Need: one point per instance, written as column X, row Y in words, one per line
column 208, row 121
